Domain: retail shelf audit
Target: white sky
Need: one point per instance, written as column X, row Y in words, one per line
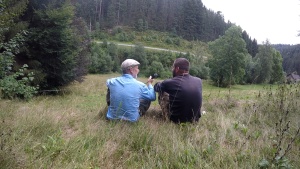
column 275, row 20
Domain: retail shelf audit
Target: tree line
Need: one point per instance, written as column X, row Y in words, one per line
column 232, row 64
column 291, row 57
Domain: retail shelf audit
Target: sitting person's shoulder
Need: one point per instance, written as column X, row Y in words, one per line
column 195, row 77
column 139, row 82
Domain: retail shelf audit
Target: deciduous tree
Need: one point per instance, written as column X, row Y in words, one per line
column 264, row 63
column 227, row 64
column 268, row 63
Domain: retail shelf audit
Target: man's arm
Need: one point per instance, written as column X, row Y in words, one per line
column 157, row 87
column 150, row 81
column 108, row 97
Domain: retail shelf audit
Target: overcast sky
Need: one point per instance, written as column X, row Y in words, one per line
column 275, row 20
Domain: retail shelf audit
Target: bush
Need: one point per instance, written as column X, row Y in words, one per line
column 201, row 71
column 17, row 85
column 280, row 106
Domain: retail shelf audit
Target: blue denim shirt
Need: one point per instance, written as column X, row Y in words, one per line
column 125, row 95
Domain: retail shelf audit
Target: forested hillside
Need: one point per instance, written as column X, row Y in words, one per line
column 47, row 44
column 291, row 57
column 188, row 19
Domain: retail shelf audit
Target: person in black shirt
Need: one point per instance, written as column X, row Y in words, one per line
column 180, row 96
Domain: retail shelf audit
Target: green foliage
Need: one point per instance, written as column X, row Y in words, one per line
column 169, row 41
column 264, row 60
column 189, row 19
column 11, row 33
column 152, row 60
column 277, row 163
column 6, row 61
column 198, row 65
column 280, row 107
column 83, row 43
column 10, row 11
column 200, row 71
column 123, row 37
column 63, row 58
column 264, row 164
column 99, row 35
column 139, row 54
column 101, row 61
column 155, row 67
column 251, row 45
column 117, row 30
column 112, row 58
column 291, row 57
column 18, row 85
column 12, row 36
column 53, row 146
column 268, row 65
column 197, row 52
column 250, row 65
column 277, row 75
column 141, row 25
column 111, row 19
column 112, row 49
column 227, row 66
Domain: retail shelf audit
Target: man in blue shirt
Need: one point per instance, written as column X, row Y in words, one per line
column 127, row 97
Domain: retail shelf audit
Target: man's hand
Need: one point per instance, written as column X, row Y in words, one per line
column 150, row 80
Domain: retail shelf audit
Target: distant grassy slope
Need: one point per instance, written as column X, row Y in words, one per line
column 154, row 39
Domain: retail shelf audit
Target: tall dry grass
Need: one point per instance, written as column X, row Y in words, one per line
column 244, row 127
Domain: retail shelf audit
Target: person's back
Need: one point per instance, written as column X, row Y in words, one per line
column 125, row 93
column 185, row 97
column 124, row 98
column 185, row 94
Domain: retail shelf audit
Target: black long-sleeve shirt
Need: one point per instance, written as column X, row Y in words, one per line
column 185, row 97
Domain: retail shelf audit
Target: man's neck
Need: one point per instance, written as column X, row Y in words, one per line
column 182, row 74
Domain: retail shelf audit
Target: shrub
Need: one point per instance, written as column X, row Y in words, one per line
column 281, row 107
column 18, row 85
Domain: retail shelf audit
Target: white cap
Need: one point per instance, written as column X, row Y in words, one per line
column 129, row 63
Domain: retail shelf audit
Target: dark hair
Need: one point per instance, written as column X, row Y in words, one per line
column 182, row 63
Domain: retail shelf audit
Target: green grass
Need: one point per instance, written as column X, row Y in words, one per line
column 70, row 131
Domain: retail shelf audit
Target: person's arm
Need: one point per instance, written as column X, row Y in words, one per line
column 158, row 87
column 148, row 91
column 150, row 81
column 201, row 93
column 108, row 97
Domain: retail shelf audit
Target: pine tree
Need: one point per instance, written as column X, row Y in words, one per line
column 11, row 36
column 10, row 11
column 53, row 43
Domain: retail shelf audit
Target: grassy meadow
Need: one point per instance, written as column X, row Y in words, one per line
column 246, row 126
